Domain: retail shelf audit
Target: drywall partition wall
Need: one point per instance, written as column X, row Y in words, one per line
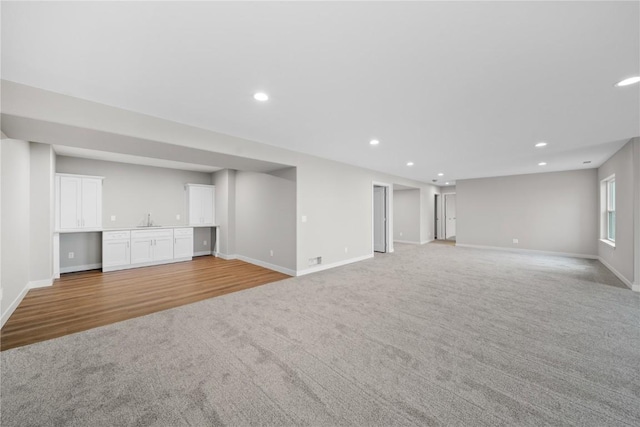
column 15, row 224
column 224, row 181
column 41, row 184
column 406, row 216
column 621, row 257
column 130, row 191
column 554, row 212
column 447, row 189
column 265, row 220
column 335, row 197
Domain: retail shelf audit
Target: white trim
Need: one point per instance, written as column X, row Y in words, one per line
column 226, row 256
column 636, row 287
column 617, row 273
column 41, row 283
column 531, row 251
column 408, row 242
column 85, row 267
column 16, row 302
column 274, row 267
column 608, row 242
column 202, row 253
column 424, row 242
column 333, row 265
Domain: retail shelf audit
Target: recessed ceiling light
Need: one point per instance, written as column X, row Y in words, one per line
column 409, row 163
column 440, row 174
column 374, row 142
column 542, row 164
column 541, row 144
column 629, row 81
column 261, row 96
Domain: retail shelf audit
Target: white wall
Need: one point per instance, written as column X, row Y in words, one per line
column 621, row 257
column 406, row 215
column 266, row 220
column 15, row 223
column 555, row 212
column 131, row 191
column 41, row 185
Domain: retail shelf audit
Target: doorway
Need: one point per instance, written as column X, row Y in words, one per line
column 450, row 216
column 381, row 218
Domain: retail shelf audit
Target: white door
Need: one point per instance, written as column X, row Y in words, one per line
column 450, row 216
column 70, row 202
column 115, row 252
column 379, row 219
column 91, row 205
column 141, row 250
column 163, row 248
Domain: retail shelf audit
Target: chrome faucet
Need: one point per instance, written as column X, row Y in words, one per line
column 149, row 222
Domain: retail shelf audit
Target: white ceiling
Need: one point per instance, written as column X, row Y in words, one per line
column 460, row 88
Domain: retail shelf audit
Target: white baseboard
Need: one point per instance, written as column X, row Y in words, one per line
column 16, row 302
column 40, row 283
column 266, row 265
column 332, row 265
column 408, row 242
column 226, row 256
column 424, row 242
column 636, row 287
column 619, row 275
column 531, row 251
column 85, row 267
column 202, row 253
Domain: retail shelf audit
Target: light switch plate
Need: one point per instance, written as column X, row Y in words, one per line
column 304, row 218
column 113, row 217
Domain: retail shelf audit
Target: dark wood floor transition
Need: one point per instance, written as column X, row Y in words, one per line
column 80, row 301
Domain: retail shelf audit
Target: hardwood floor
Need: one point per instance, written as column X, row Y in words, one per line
column 80, row 301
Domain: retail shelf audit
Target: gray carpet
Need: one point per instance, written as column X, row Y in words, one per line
column 429, row 335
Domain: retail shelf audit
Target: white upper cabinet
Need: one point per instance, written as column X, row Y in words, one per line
column 201, row 204
column 78, row 202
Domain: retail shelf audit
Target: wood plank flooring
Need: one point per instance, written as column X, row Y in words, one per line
column 80, row 301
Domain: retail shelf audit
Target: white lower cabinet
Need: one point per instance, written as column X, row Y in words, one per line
column 116, row 249
column 183, row 243
column 139, row 248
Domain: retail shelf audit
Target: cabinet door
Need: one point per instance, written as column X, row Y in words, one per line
column 163, row 248
column 208, row 195
column 183, row 247
column 195, row 205
column 141, row 250
column 70, row 205
column 115, row 252
column 91, row 203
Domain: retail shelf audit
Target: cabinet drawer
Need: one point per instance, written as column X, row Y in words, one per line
column 116, row 235
column 152, row 234
column 179, row 232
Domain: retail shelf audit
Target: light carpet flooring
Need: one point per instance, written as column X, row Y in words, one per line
column 428, row 335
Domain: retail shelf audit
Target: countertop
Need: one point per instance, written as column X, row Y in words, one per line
column 163, row 227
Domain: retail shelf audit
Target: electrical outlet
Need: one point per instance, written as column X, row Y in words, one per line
column 271, row 252
column 204, row 243
column 346, row 249
column 178, row 217
column 113, row 217
column 71, row 255
column 401, row 234
column 515, row 241
column 304, row 218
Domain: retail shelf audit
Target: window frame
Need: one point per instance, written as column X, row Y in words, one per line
column 608, row 209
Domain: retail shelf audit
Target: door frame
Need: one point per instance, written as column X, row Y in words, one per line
column 444, row 213
column 389, row 214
